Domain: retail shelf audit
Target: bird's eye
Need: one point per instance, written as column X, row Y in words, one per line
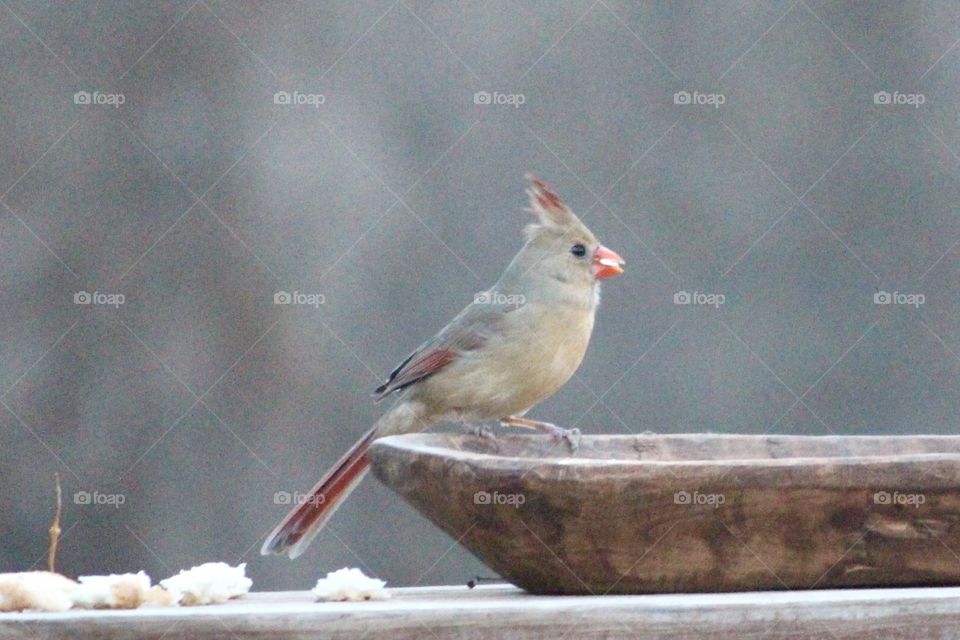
column 578, row 250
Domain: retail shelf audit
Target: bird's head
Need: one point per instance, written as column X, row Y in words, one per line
column 565, row 248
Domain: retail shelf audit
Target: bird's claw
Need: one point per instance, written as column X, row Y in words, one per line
column 484, row 431
column 571, row 436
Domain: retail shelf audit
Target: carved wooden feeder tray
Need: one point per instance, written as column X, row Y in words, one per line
column 690, row 513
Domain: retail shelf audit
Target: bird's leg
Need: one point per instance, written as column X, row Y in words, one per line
column 572, row 436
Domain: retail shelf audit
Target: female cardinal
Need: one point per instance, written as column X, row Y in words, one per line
column 518, row 343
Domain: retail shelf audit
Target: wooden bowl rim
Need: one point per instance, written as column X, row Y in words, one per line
column 432, row 445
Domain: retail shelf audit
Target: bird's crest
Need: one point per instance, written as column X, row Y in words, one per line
column 547, row 205
column 552, row 213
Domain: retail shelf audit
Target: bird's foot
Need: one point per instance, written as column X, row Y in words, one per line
column 482, row 431
column 570, row 436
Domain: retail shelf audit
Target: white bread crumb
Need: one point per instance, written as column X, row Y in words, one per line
column 36, row 591
column 350, row 585
column 209, row 583
column 115, row 591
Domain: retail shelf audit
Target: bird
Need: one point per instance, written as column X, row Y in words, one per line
column 514, row 346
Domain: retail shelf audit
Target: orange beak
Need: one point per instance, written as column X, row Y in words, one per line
column 606, row 263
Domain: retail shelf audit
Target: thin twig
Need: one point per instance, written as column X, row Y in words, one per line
column 55, row 528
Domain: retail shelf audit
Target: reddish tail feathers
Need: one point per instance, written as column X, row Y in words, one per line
column 294, row 533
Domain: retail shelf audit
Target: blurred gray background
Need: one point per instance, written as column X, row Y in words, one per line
column 799, row 199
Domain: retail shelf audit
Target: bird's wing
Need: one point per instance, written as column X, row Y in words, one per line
column 474, row 326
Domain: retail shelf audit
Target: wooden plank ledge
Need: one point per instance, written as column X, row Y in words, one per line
column 503, row 611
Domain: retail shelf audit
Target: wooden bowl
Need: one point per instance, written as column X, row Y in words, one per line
column 690, row 513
